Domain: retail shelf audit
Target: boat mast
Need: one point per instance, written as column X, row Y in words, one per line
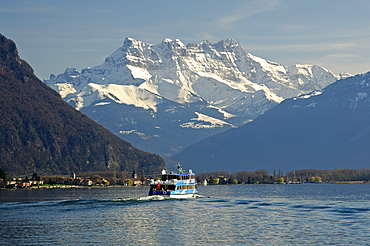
column 179, row 168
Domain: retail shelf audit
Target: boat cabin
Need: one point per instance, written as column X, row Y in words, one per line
column 176, row 176
column 170, row 187
column 162, row 187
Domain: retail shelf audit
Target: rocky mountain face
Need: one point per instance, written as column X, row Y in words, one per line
column 41, row 133
column 322, row 130
column 165, row 97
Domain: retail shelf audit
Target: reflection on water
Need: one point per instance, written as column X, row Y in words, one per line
column 227, row 215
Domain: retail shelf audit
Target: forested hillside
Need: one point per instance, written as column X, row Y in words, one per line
column 41, row 133
column 326, row 129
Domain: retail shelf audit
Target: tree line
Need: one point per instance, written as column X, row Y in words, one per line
column 241, row 177
column 336, row 175
column 262, row 176
column 259, row 176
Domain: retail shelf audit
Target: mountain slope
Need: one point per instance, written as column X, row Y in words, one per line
column 192, row 91
column 41, row 133
column 324, row 130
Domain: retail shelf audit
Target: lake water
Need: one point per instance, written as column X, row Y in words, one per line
column 307, row 214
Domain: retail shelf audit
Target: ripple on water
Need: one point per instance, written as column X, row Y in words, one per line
column 247, row 216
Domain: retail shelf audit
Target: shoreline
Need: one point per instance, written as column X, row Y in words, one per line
column 65, row 187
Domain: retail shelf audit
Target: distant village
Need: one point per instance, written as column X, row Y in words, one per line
column 72, row 181
column 210, row 178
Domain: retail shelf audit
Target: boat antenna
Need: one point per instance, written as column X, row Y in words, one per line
column 179, row 168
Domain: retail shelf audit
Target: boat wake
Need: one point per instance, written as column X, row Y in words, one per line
column 79, row 203
column 152, row 198
column 160, row 198
column 87, row 202
column 198, row 196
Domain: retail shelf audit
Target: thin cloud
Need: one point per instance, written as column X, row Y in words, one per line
column 247, row 10
column 311, row 47
column 341, row 46
column 338, row 55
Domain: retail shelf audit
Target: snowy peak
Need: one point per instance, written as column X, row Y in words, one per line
column 185, row 74
column 173, row 45
column 227, row 45
column 133, row 52
column 354, row 92
column 350, row 92
column 220, row 85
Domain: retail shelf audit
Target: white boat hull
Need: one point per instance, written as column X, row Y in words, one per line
column 174, row 194
column 182, row 196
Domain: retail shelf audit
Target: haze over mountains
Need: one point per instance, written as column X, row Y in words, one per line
column 41, row 133
column 165, row 97
column 324, row 130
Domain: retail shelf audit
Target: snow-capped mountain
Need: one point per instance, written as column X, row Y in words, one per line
column 165, row 97
column 323, row 130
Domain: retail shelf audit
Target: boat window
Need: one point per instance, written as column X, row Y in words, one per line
column 186, row 187
column 178, row 177
column 162, row 187
column 183, row 177
column 169, row 177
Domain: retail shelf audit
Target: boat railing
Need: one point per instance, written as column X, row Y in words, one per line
column 171, row 181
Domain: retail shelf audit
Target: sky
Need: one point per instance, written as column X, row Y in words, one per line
column 52, row 35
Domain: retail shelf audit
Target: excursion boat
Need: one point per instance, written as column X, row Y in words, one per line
column 174, row 185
